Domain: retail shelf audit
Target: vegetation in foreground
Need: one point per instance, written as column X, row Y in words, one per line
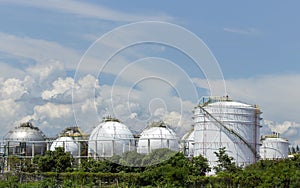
column 57, row 169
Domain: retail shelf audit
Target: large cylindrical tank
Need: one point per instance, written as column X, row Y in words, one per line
column 221, row 122
column 25, row 140
column 68, row 143
column 156, row 136
column 110, row 138
column 187, row 143
column 273, row 147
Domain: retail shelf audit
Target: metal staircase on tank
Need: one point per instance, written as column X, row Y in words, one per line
column 231, row 131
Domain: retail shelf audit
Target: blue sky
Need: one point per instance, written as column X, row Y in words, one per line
column 256, row 44
column 261, row 36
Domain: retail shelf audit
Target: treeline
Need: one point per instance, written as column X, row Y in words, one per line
column 162, row 168
column 294, row 150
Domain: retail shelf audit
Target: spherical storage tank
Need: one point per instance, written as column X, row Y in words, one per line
column 73, row 140
column 221, row 122
column 274, row 147
column 157, row 135
column 68, row 143
column 188, row 141
column 110, row 138
column 25, row 140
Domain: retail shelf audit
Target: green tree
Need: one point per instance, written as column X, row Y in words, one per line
column 172, row 172
column 131, row 158
column 199, row 166
column 158, row 156
column 225, row 162
column 14, row 163
column 131, row 162
column 94, row 166
column 54, row 161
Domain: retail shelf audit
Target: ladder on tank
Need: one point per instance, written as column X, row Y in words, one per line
column 231, row 131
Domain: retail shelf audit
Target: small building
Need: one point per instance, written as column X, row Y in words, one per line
column 187, row 143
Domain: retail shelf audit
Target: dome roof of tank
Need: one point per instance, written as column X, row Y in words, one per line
column 25, row 132
column 273, row 138
column 230, row 103
column 110, row 138
column 72, row 132
column 158, row 130
column 68, row 143
column 157, row 135
column 110, row 129
column 223, row 101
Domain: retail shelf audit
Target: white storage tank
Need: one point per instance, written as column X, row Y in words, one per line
column 221, row 122
column 110, row 138
column 157, row 135
column 73, row 140
column 274, row 147
column 68, row 143
column 188, row 141
column 25, row 140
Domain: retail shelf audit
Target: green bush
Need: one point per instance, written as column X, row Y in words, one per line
column 175, row 171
